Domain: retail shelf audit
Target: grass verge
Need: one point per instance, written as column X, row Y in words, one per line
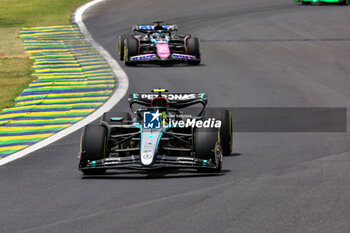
column 15, row 64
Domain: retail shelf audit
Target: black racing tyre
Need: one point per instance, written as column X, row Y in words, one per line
column 93, row 141
column 306, row 3
column 345, row 2
column 107, row 117
column 226, row 136
column 131, row 48
column 204, row 142
column 121, row 46
column 193, row 49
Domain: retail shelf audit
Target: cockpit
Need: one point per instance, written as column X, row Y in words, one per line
column 160, row 36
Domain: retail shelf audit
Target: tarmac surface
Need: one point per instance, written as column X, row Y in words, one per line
column 266, row 53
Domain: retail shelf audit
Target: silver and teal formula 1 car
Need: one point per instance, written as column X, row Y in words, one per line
column 342, row 2
column 158, row 135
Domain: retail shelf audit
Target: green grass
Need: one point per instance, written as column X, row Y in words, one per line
column 12, row 79
column 26, row 13
column 10, row 44
column 15, row 65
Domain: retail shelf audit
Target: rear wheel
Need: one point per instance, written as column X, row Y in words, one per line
column 193, row 49
column 108, row 117
column 226, row 138
column 205, row 142
column 131, row 48
column 93, row 143
column 345, row 2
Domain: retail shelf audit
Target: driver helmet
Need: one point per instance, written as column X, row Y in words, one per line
column 159, row 35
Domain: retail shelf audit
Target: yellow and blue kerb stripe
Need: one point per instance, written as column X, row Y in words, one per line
column 72, row 81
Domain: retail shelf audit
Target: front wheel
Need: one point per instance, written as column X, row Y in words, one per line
column 93, row 142
column 206, row 143
column 121, row 46
column 131, row 48
column 193, row 48
column 345, row 2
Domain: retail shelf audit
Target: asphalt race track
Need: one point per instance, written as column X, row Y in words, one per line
column 266, row 53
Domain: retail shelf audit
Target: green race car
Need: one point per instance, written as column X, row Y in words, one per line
column 342, row 2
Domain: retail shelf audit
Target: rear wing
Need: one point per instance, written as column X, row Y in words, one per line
column 176, row 100
column 151, row 28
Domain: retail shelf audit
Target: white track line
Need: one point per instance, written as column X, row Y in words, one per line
column 122, row 82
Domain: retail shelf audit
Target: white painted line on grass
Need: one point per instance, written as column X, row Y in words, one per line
column 122, row 87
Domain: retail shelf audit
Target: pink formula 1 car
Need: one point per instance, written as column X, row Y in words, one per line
column 158, row 44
